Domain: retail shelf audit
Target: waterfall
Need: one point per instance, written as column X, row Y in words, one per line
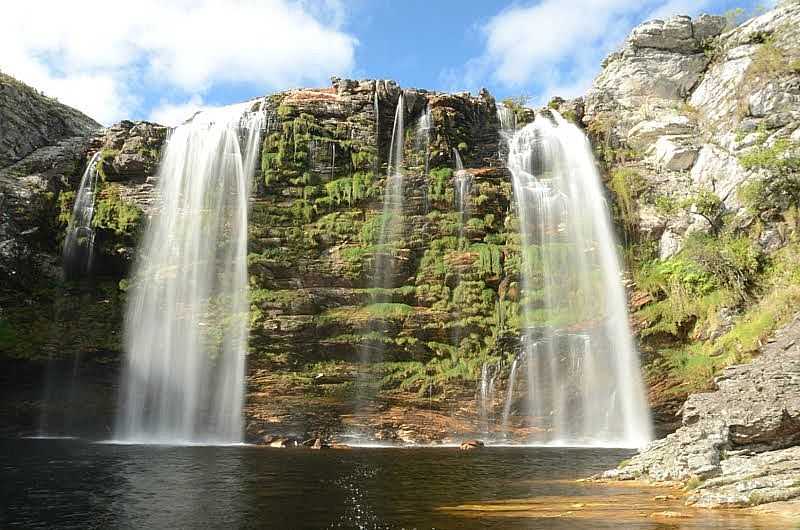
column 422, row 142
column 463, row 182
column 391, row 233
column 392, row 214
column 79, row 240
column 187, row 317
column 463, row 186
column 584, row 382
column 512, row 379
column 489, row 374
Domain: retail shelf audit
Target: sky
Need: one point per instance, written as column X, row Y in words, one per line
column 162, row 60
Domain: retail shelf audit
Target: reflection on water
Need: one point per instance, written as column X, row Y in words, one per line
column 75, row 484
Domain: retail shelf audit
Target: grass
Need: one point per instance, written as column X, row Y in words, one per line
column 694, row 365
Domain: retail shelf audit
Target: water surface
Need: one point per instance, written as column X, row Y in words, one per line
column 79, row 484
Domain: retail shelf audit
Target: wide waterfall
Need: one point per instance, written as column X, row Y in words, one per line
column 187, row 317
column 581, row 366
column 79, row 240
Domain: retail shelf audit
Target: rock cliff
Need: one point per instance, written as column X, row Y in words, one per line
column 32, row 120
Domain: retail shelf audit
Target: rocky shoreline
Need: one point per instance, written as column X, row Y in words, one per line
column 738, row 445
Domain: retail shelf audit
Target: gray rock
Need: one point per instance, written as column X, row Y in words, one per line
column 741, row 440
column 30, row 120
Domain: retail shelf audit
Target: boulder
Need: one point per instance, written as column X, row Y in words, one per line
column 471, row 445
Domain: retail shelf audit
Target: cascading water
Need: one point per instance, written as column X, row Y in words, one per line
column 584, row 383
column 463, row 188
column 187, row 317
column 392, row 214
column 486, row 392
column 79, row 241
column 391, row 233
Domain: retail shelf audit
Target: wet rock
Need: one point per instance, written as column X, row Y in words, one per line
column 471, row 445
column 281, row 441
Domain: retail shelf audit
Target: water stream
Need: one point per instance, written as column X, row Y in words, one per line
column 79, row 240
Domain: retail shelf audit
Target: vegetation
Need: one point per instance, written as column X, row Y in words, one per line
column 115, row 214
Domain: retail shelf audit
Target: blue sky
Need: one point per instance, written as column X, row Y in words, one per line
column 165, row 60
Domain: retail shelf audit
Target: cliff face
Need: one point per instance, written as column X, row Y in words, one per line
column 32, row 120
column 698, row 127
column 694, row 125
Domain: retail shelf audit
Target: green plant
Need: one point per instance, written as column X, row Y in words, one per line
column 439, row 180
column 708, row 205
column 116, row 214
column 628, row 185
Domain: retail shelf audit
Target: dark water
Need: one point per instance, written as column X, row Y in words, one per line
column 77, row 484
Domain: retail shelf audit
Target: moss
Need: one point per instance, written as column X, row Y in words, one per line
column 693, row 483
column 66, row 203
column 628, row 185
column 115, row 214
column 104, row 163
column 8, row 336
column 439, row 183
column 351, row 190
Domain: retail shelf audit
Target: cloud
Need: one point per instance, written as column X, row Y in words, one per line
column 554, row 47
column 100, row 56
column 172, row 114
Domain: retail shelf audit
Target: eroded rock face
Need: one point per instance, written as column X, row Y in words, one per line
column 30, row 120
column 685, row 100
column 740, row 442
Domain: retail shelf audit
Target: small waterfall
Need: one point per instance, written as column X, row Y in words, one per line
column 422, row 142
column 512, row 379
column 577, row 340
column 508, row 126
column 187, row 317
column 462, row 182
column 392, row 214
column 377, row 109
column 489, row 373
column 391, row 233
column 463, row 185
column 508, row 121
column 79, row 241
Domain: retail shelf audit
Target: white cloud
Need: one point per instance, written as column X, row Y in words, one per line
column 99, row 55
column 554, row 47
column 172, row 114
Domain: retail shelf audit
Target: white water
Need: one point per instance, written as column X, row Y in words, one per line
column 79, row 241
column 584, row 384
column 187, row 317
column 392, row 214
column 463, row 188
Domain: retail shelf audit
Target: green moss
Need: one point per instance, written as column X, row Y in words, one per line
column 351, row 190
column 116, row 214
column 104, row 161
column 439, row 183
column 66, row 202
column 628, row 185
column 8, row 336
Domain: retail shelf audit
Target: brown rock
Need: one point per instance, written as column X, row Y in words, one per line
column 471, row 445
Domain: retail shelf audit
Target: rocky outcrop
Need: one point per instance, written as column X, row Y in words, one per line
column 738, row 445
column 683, row 101
column 29, row 120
